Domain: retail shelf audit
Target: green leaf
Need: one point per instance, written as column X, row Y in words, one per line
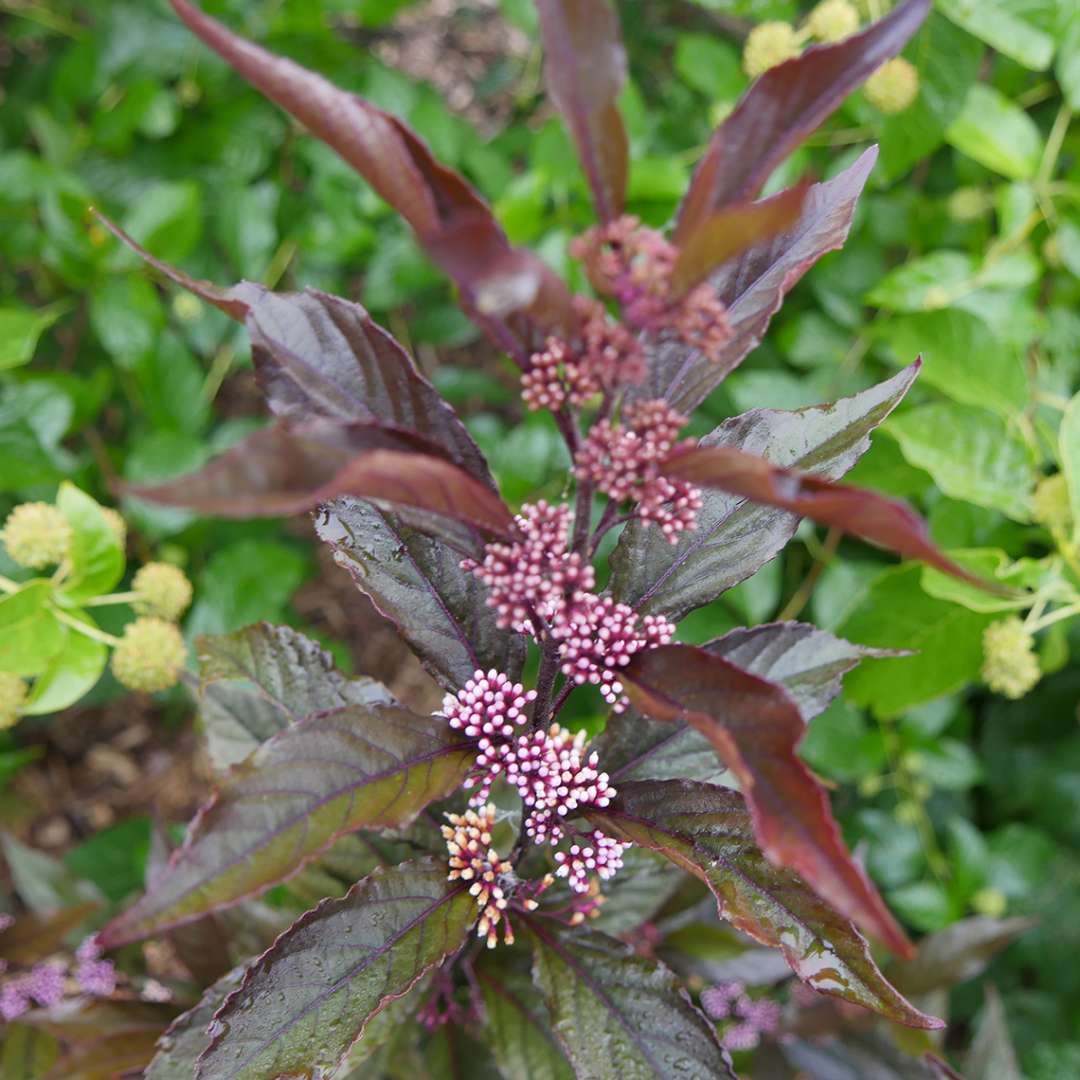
column 72, row 673
column 517, row 1028
column 895, row 613
column 20, row 329
column 258, row 680
column 707, row 831
column 993, row 565
column 126, row 315
column 841, row 744
column 42, row 882
column 992, row 1055
column 28, row 1053
column 97, row 560
column 30, row 634
column 1068, row 62
column 971, row 453
column 1069, row 447
column 915, row 285
column 617, row 1015
column 997, row 133
column 355, row 767
column 735, row 536
column 1002, row 29
column 187, row 1037
column 962, row 357
column 318, row 986
column 166, row 219
column 710, row 65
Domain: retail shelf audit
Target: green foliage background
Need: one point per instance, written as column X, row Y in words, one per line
column 966, row 248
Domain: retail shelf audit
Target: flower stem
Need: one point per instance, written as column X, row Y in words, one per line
column 111, row 598
column 85, row 629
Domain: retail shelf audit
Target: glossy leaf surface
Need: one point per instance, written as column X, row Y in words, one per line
column 735, row 537
column 306, row 1000
column 755, row 725
column 707, row 831
column 619, row 1016
column 355, row 767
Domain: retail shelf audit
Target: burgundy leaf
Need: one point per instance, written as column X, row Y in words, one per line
column 753, row 286
column 873, row 517
column 784, row 106
column 286, row 468
column 707, row 831
column 397, row 164
column 733, row 229
column 585, row 68
column 755, row 726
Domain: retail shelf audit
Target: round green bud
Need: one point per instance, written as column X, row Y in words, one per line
column 907, row 812
column 833, row 20
column 1051, row 251
column 162, row 590
column 921, row 791
column 36, row 535
column 116, row 522
column 970, row 204
column 769, row 44
column 990, row 902
column 187, row 308
column 1050, row 502
column 893, row 87
column 912, row 761
column 13, row 694
column 871, row 785
column 150, row 655
column 1010, row 666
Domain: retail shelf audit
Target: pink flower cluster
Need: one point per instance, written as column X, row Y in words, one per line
column 49, row 982
column 634, row 264
column 536, row 572
column 599, row 636
column 605, row 356
column 752, row 1017
column 597, row 854
column 624, row 460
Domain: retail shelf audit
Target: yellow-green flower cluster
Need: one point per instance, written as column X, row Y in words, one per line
column 1010, row 666
column 150, row 655
column 36, row 535
column 1050, row 502
column 893, row 87
column 13, row 694
column 162, row 590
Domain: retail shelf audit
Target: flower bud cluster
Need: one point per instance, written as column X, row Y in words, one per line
column 36, row 535
column 599, row 637
column 767, row 45
column 150, row 655
column 893, row 87
column 51, row 981
column 536, row 572
column 161, row 590
column 596, row 854
column 1010, row 666
column 624, row 460
column 751, row 1017
column 475, row 861
column 634, row 264
column 13, row 694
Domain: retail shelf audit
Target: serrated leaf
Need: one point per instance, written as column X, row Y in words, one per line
column 753, row 286
column 734, row 536
column 585, row 69
column 755, row 726
column 332, row 773
column 186, row 1037
column 619, row 1016
column 517, row 1029
column 886, row 522
column 258, row 680
column 288, row 468
column 1021, row 575
column 417, row 582
column 785, row 105
column 311, row 995
column 707, row 831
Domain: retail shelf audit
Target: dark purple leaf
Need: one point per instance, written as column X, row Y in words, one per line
column 753, row 285
column 306, row 1000
column 731, row 230
column 417, row 582
column 618, row 1015
column 330, row 774
column 736, row 537
column 784, row 106
column 707, row 831
column 257, row 681
column 755, row 726
column 585, row 69
column 397, row 164
column 289, row 468
column 957, row 953
column 866, row 514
